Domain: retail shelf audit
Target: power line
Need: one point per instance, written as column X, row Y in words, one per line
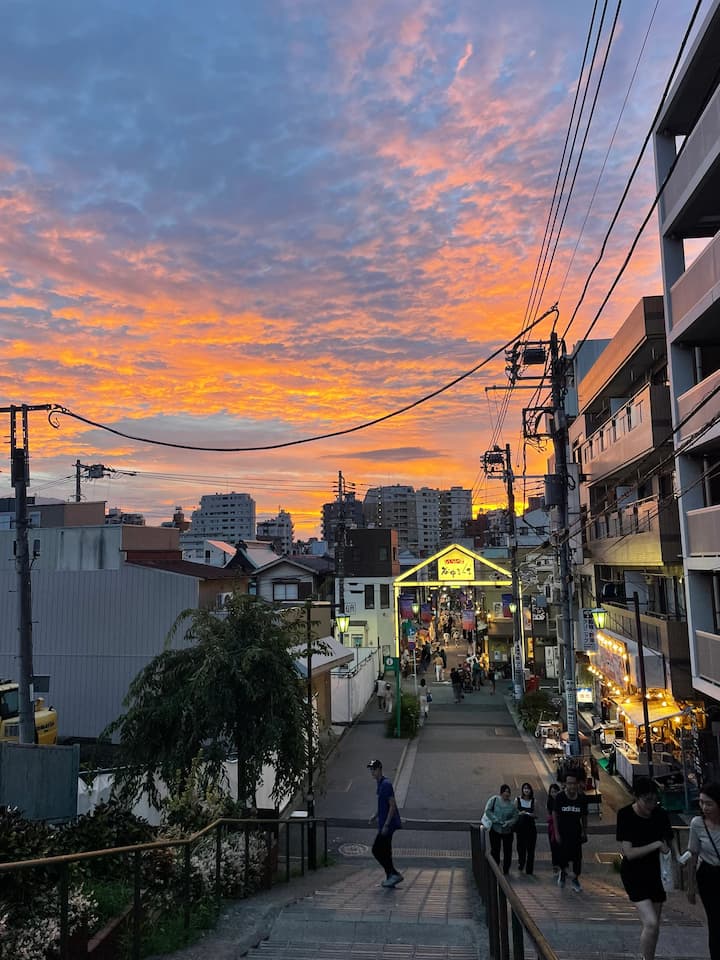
column 58, row 410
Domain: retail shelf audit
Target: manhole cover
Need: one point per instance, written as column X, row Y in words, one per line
column 354, row 849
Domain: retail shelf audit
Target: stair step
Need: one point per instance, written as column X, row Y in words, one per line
column 320, row 950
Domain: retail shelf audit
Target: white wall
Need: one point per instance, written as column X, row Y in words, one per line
column 351, row 689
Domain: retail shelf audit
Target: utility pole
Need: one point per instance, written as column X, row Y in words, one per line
column 559, row 437
column 340, row 543
column 310, row 734
column 20, row 479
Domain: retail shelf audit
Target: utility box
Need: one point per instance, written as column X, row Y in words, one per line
column 41, row 781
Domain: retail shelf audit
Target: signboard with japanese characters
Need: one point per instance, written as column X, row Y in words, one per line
column 456, row 566
column 588, row 639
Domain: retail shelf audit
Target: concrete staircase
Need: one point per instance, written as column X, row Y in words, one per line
column 434, row 913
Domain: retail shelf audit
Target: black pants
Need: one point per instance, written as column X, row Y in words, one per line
column 571, row 853
column 506, row 840
column 382, row 851
column 526, row 840
column 708, row 886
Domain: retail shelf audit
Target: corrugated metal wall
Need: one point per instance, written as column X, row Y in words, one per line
column 93, row 630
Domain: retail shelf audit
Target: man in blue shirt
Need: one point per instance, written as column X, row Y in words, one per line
column 388, row 821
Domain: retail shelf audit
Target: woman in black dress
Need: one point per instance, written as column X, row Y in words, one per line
column 644, row 832
column 525, row 829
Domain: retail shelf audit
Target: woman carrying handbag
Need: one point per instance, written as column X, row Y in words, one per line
column 704, row 873
column 499, row 820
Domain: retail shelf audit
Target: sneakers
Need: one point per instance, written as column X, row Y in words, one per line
column 561, row 879
column 575, row 884
column 393, row 880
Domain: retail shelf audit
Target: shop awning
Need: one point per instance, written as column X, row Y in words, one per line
column 658, row 710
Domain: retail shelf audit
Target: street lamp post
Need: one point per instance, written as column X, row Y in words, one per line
column 416, row 611
column 517, row 667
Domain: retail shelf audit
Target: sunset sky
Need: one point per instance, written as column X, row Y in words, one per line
column 240, row 223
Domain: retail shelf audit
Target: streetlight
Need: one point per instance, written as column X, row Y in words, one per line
column 342, row 622
column 599, row 617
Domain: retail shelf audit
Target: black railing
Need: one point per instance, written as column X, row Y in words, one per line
column 508, row 922
column 295, row 835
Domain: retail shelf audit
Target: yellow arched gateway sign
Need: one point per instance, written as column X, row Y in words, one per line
column 454, row 564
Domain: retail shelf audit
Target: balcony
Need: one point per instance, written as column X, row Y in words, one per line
column 642, row 533
column 707, row 657
column 659, row 633
column 698, row 289
column 689, row 400
column 703, row 532
column 689, row 205
column 641, row 427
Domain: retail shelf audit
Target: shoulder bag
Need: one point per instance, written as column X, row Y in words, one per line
column 485, row 819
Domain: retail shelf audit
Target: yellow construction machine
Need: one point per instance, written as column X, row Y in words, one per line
column 45, row 717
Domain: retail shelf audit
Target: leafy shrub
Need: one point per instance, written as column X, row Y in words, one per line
column 534, row 706
column 409, row 717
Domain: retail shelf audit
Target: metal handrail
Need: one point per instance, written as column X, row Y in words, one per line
column 248, row 826
column 498, row 896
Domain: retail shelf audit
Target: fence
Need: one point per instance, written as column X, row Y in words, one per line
column 296, row 833
column 506, row 934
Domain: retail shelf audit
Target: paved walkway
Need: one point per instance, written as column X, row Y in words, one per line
column 442, row 780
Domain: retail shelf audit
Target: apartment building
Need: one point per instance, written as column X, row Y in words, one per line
column 621, row 441
column 687, row 155
column 425, row 519
column 224, row 516
column 279, row 530
column 351, row 511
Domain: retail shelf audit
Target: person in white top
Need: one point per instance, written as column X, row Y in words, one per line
column 704, row 847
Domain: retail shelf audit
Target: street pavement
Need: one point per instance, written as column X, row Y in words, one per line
column 442, row 779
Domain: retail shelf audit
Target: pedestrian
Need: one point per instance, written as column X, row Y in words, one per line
column 423, row 694
column 525, row 829
column 704, row 847
column 492, row 678
column 569, row 812
column 388, row 698
column 456, row 681
column 553, row 791
column 438, row 663
column 503, row 814
column 380, row 692
column 476, row 674
column 388, row 821
column 644, row 832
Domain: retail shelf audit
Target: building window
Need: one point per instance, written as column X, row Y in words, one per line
column 382, row 553
column 369, row 596
column 285, row 591
column 384, row 596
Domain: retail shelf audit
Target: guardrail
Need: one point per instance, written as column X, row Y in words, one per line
column 508, row 922
column 270, row 828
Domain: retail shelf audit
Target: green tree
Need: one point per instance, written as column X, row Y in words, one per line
column 233, row 690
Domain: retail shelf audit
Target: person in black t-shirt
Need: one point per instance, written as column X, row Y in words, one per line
column 569, row 813
column 644, row 831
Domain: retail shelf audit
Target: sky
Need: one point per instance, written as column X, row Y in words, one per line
column 238, row 224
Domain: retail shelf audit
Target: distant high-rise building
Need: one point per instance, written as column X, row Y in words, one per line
column 352, row 511
column 116, row 515
column 224, row 516
column 178, row 521
column 425, row 519
column 279, row 530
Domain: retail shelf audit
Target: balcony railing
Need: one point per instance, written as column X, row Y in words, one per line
column 704, row 532
column 695, row 287
column 697, row 147
column 645, row 531
column 691, row 399
column 707, row 656
column 635, row 431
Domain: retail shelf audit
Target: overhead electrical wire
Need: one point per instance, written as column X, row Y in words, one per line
column 58, row 410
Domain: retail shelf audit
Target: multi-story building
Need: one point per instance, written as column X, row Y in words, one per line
column 425, row 519
column 351, row 511
column 279, row 530
column 689, row 213
column 370, row 565
column 116, row 515
column 224, row 516
column 622, row 443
